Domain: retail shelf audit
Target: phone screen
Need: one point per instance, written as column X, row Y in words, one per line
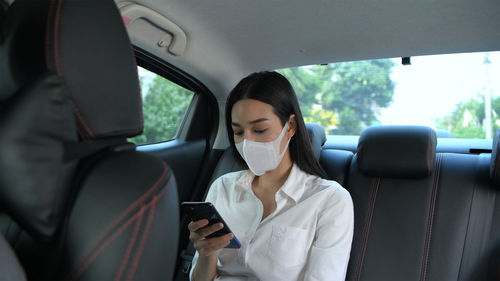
column 205, row 210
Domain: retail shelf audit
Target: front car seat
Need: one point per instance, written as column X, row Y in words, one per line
column 77, row 201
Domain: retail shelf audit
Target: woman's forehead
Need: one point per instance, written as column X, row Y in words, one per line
column 248, row 110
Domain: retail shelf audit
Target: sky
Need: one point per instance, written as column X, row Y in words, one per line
column 432, row 86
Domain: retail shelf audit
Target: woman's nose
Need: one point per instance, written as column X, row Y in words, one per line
column 250, row 136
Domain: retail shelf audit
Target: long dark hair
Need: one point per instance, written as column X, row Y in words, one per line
column 274, row 89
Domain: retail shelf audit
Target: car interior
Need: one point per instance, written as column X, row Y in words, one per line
column 83, row 197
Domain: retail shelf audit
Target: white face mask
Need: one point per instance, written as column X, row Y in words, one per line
column 262, row 157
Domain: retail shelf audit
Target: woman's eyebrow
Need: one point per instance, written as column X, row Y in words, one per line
column 251, row 122
column 258, row 120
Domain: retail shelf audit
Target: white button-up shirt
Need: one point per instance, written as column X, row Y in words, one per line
column 307, row 237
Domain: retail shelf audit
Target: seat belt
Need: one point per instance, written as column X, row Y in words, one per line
column 187, row 256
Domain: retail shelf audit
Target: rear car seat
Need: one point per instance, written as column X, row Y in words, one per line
column 418, row 215
column 489, row 265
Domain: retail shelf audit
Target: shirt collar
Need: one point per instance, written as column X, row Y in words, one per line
column 245, row 180
column 293, row 186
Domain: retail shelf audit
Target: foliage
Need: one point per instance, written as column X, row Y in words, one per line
column 467, row 120
column 164, row 105
column 343, row 97
column 350, row 93
column 322, row 117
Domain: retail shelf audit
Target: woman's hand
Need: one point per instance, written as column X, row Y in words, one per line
column 200, row 229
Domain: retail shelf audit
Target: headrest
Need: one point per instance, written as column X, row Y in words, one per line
column 67, row 71
column 397, row 151
column 317, row 136
column 86, row 44
column 495, row 160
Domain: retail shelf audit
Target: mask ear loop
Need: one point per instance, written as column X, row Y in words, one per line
column 283, row 133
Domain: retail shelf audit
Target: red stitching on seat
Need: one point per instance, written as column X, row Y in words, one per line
column 430, row 221
column 366, row 231
column 144, row 237
column 56, row 38
column 80, row 117
column 80, row 133
column 106, row 244
column 108, row 241
column 123, row 215
column 58, row 66
column 47, row 36
column 130, row 245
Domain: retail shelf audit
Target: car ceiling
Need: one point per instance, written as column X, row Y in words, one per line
column 227, row 39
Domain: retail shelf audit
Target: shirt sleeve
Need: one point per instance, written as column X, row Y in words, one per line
column 212, row 194
column 329, row 255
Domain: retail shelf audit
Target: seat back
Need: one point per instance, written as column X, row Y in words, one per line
column 83, row 203
column 418, row 215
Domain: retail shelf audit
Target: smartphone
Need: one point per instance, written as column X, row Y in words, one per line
column 205, row 210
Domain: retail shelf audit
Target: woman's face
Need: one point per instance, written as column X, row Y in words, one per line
column 254, row 120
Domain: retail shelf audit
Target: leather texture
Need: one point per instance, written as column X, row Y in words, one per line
column 35, row 124
column 124, row 224
column 435, row 227
column 336, row 164
column 61, row 36
column 397, row 151
column 77, row 201
column 317, row 136
column 495, row 160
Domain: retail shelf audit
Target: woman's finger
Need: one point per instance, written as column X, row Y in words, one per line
column 207, row 230
column 195, row 225
column 208, row 247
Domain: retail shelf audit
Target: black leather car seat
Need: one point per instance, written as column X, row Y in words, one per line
column 77, row 201
column 419, row 215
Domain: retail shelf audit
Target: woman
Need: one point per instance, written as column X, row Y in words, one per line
column 292, row 223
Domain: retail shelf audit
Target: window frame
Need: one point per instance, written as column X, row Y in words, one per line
column 202, row 97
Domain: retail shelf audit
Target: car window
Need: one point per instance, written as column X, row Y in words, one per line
column 452, row 93
column 164, row 106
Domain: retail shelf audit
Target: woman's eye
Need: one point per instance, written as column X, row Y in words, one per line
column 260, row 131
column 238, row 133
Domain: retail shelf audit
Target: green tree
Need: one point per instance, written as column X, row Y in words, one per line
column 164, row 105
column 306, row 85
column 352, row 91
column 466, row 120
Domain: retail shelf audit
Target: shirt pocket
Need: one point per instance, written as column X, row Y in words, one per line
column 288, row 245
